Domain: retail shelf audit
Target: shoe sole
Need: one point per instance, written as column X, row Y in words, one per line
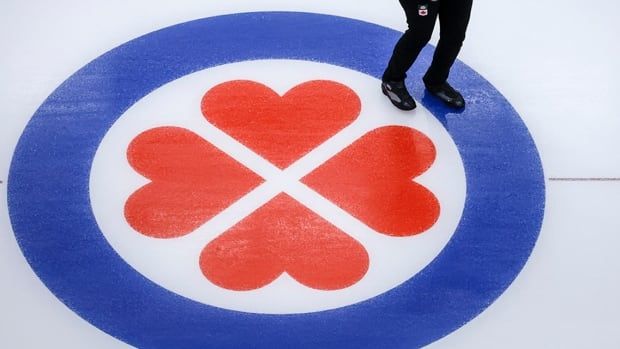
column 385, row 92
column 445, row 100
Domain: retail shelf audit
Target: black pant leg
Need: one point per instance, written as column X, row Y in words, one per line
column 453, row 20
column 421, row 24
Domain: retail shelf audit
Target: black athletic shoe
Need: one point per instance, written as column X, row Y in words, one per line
column 447, row 94
column 397, row 92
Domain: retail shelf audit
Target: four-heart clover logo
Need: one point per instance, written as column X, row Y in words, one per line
column 191, row 181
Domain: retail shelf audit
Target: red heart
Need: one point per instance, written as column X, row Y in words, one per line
column 192, row 181
column 373, row 180
column 284, row 236
column 281, row 129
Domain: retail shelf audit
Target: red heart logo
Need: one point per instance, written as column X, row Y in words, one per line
column 192, row 181
column 284, row 236
column 373, row 180
column 281, row 129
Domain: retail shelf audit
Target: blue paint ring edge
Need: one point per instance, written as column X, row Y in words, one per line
column 500, row 224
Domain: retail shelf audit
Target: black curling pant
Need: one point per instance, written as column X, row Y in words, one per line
column 421, row 17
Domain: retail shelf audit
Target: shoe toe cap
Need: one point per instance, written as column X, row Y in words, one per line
column 459, row 103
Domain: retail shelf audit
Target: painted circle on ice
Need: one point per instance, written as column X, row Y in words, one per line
column 51, row 214
column 168, row 251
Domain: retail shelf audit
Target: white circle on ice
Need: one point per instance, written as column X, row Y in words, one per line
column 174, row 263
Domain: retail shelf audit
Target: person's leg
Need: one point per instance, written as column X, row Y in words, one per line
column 421, row 18
column 453, row 20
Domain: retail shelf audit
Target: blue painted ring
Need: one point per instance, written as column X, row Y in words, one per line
column 57, row 232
